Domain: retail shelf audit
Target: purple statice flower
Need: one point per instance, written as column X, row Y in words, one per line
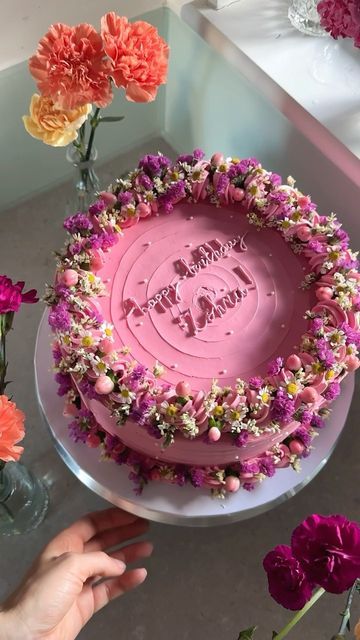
column 306, row 416
column 325, row 354
column 121, row 457
column 145, row 182
column 343, row 238
column 347, row 263
column 247, row 164
column 316, row 246
column 275, row 179
column 174, row 193
column 94, row 242
column 241, row 439
column 352, row 335
column 111, row 442
column 88, row 389
column 185, row 157
column 198, row 154
column 64, row 382
column 248, row 486
column 97, row 207
column 75, row 248
column 275, row 366
column 154, row 165
column 125, row 197
column 108, row 240
column 137, row 374
column 267, row 466
column 94, row 315
column 140, row 413
column 332, row 392
column 250, row 466
column 56, row 353
column 234, row 171
column 303, row 435
column 197, row 477
column 316, row 325
column 180, row 475
column 222, row 184
column 59, row 317
column 282, row 407
column 62, row 291
column 278, row 196
column 317, row 422
column 256, row 382
column 78, row 431
column 78, row 223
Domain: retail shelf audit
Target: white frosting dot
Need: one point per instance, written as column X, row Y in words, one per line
column 282, row 326
column 229, row 333
column 191, row 218
column 139, row 324
column 270, row 255
column 189, row 244
column 223, row 371
column 157, row 215
column 174, row 366
column 236, row 457
column 304, row 268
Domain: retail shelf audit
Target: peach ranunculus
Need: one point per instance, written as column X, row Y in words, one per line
column 51, row 125
column 139, row 56
column 11, row 430
column 71, row 68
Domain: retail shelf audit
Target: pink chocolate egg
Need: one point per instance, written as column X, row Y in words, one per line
column 352, row 363
column 303, row 233
column 296, row 447
column 324, row 293
column 143, row 210
column 232, row 484
column 238, row 194
column 309, row 395
column 293, row 362
column 109, row 198
column 69, row 277
column 183, row 389
column 104, row 385
column 214, row 434
column 217, row 159
column 106, row 346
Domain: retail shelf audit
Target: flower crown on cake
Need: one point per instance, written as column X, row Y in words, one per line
column 296, row 389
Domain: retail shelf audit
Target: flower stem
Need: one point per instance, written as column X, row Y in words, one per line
column 300, row 614
column 346, row 613
column 3, row 364
column 94, row 123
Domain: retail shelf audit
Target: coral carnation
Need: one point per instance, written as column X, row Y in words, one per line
column 70, row 67
column 11, row 430
column 139, row 56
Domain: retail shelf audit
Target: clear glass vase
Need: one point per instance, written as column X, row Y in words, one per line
column 23, row 500
column 86, row 181
column 304, row 16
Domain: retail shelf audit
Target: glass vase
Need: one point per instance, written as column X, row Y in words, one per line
column 86, row 181
column 304, row 16
column 23, row 500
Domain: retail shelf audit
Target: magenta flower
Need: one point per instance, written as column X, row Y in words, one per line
column 328, row 549
column 288, row 583
column 11, row 295
column 341, row 18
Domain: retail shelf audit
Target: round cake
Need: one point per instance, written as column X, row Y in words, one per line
column 204, row 316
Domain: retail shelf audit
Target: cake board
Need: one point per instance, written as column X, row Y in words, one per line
column 170, row 504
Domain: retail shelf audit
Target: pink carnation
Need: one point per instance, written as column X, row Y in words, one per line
column 70, row 67
column 139, row 56
column 11, row 295
column 288, row 584
column 341, row 18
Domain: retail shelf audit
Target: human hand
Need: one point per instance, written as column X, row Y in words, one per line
column 74, row 577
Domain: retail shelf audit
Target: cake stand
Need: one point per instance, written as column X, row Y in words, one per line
column 169, row 503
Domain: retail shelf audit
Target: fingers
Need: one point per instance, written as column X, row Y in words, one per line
column 91, row 525
column 114, row 537
column 134, row 552
column 110, row 589
column 82, row 566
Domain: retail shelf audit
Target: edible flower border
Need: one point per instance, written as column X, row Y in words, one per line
column 296, row 390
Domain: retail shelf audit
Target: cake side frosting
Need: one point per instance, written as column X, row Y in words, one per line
column 159, row 414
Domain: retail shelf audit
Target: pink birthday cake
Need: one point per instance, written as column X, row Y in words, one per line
column 204, row 316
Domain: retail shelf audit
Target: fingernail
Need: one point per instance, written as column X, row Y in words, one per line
column 121, row 564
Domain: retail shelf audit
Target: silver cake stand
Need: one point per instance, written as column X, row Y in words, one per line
column 169, row 503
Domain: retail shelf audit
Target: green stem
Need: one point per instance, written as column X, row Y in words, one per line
column 3, row 364
column 94, row 123
column 346, row 613
column 300, row 614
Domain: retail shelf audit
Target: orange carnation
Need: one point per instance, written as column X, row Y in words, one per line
column 11, row 430
column 70, row 67
column 139, row 56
